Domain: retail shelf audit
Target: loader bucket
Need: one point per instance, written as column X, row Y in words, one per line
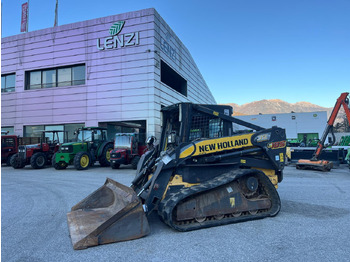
column 112, row 213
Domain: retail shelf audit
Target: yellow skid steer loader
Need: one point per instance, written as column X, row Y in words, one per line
column 201, row 174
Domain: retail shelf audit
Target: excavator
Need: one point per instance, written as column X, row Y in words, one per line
column 315, row 163
column 201, row 173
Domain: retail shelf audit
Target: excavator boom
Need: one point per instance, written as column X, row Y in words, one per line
column 315, row 162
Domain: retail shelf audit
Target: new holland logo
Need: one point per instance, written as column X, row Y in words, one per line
column 116, row 28
column 117, row 40
column 277, row 145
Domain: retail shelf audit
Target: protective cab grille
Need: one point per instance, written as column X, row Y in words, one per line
column 204, row 126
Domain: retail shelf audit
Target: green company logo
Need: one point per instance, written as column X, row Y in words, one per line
column 116, row 40
column 116, row 28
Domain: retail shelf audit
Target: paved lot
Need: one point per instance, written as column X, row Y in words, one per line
column 313, row 225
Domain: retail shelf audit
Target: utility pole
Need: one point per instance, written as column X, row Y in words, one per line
column 56, row 14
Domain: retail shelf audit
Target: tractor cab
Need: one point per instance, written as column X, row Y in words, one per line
column 127, row 150
column 126, row 141
column 52, row 139
column 91, row 135
column 9, row 146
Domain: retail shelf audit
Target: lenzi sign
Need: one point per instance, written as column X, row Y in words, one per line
column 117, row 40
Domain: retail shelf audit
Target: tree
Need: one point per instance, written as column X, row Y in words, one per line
column 343, row 125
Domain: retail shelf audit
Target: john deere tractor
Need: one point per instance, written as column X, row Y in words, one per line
column 90, row 145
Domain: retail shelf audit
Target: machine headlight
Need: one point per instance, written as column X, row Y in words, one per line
column 263, row 137
column 66, row 149
column 172, row 138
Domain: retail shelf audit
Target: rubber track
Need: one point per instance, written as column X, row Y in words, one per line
column 166, row 207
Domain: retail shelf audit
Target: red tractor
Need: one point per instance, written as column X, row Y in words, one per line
column 9, row 146
column 127, row 150
column 37, row 155
column 10, row 143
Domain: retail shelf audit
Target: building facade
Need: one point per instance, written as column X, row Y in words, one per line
column 115, row 72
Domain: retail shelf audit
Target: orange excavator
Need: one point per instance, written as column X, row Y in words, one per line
column 315, row 162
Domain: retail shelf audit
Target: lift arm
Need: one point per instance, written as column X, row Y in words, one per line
column 343, row 100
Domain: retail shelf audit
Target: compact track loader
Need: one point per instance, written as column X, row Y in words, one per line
column 201, row 174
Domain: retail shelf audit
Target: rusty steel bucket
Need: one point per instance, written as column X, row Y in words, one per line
column 112, row 213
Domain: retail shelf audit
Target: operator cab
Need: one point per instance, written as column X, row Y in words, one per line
column 91, row 135
column 184, row 122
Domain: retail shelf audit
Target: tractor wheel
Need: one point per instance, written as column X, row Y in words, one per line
column 8, row 160
column 38, row 160
column 115, row 166
column 17, row 162
column 82, row 160
column 105, row 158
column 60, row 165
column 135, row 161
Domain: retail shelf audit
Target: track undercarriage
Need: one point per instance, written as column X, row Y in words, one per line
column 236, row 196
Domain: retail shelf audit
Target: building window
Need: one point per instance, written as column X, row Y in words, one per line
column 172, row 79
column 9, row 130
column 56, row 77
column 67, row 136
column 8, row 83
column 137, row 126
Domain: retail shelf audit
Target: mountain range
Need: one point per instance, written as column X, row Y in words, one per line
column 276, row 106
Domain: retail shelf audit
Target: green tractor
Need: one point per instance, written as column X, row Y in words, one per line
column 90, row 145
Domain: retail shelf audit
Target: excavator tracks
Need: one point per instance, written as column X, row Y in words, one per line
column 236, row 196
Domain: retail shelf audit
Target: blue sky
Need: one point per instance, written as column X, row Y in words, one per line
column 246, row 50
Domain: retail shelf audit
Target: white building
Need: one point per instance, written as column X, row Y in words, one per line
column 115, row 72
column 311, row 123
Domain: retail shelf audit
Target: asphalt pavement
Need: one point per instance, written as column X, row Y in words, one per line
column 313, row 224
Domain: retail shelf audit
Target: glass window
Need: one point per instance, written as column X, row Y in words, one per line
column 98, row 135
column 70, row 129
column 84, row 135
column 8, row 83
column 10, row 130
column 104, row 134
column 122, row 141
column 68, row 136
column 33, row 131
column 55, row 77
column 7, row 142
column 172, row 79
column 35, row 80
column 64, row 77
column 49, row 78
column 50, row 135
column 78, row 75
column 3, row 82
